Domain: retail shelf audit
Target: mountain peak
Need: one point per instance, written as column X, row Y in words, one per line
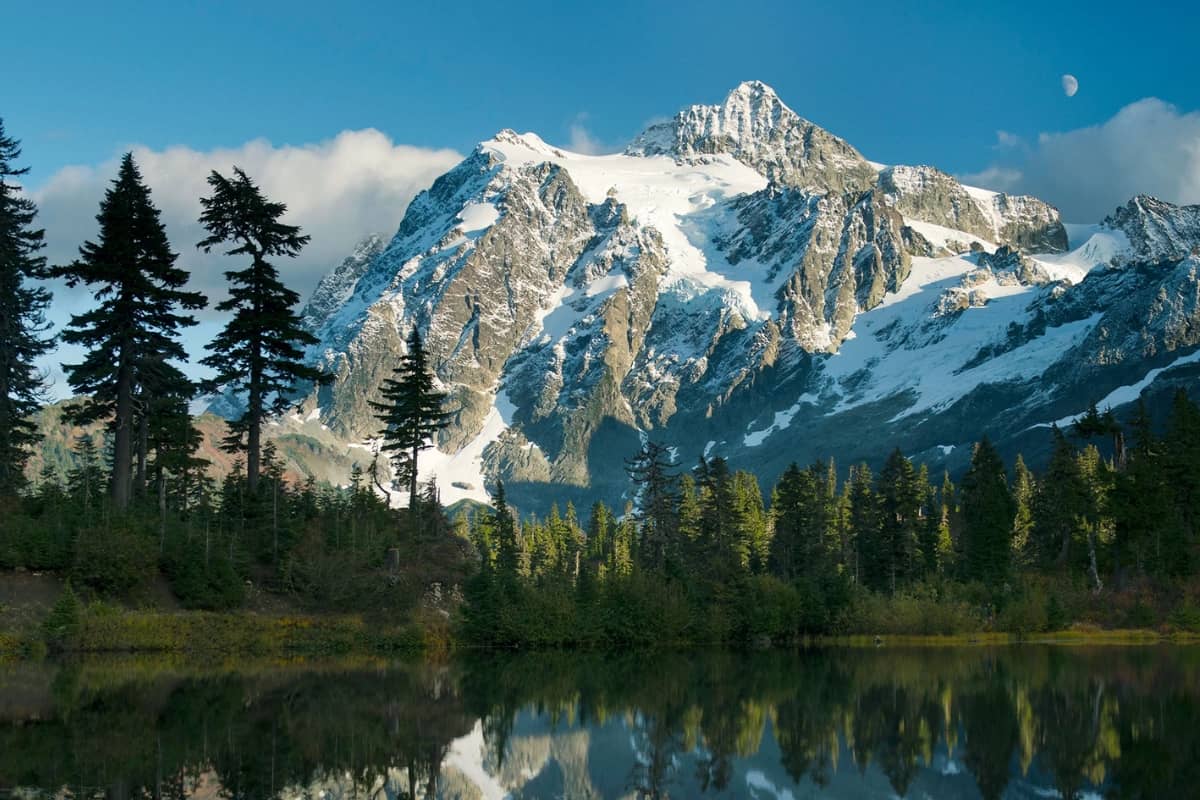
column 754, row 126
column 755, row 92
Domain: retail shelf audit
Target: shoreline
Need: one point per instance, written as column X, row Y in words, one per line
column 218, row 636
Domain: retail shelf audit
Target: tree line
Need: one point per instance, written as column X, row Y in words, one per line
column 129, row 376
column 139, row 497
column 701, row 554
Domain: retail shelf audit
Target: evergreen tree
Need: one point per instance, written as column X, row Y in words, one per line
column 1059, row 503
column 1022, row 495
column 411, row 412
column 22, row 320
column 805, row 539
column 652, row 477
column 259, row 352
column 131, row 334
column 862, row 520
column 87, row 476
column 947, row 552
column 1095, row 523
column 751, row 523
column 895, row 561
column 929, row 523
column 1181, row 470
column 504, row 536
column 600, row 532
column 1143, row 506
column 1096, row 424
column 988, row 512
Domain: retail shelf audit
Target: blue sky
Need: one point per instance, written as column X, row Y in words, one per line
column 345, row 110
column 904, row 82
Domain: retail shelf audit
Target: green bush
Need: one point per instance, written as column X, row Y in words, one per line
column 61, row 626
column 212, row 584
column 114, row 560
column 920, row 612
column 1186, row 617
column 1025, row 614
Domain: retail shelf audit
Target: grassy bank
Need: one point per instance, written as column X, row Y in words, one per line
column 215, row 636
column 1080, row 635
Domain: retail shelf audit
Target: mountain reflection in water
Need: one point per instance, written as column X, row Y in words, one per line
column 1036, row 721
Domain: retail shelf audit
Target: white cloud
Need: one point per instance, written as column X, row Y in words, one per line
column 338, row 191
column 581, row 139
column 1005, row 139
column 1148, row 147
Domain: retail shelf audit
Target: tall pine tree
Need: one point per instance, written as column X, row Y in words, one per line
column 131, row 334
column 259, row 352
column 987, row 511
column 411, row 412
column 655, row 483
column 22, row 320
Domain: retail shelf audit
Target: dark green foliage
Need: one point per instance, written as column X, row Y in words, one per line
column 886, row 554
column 61, row 625
column 988, row 512
column 259, row 353
column 204, row 577
column 22, row 320
column 131, row 335
column 1060, row 504
column 650, row 471
column 114, row 560
column 411, row 413
column 890, row 551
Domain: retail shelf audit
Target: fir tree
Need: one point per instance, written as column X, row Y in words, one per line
column 895, row 560
column 862, row 520
column 987, row 510
column 1143, row 506
column 87, row 476
column 1059, row 503
column 259, row 352
column 504, row 536
column 22, row 320
column 1181, row 470
column 131, row 334
column 947, row 552
column 655, row 485
column 411, row 412
column 1022, row 495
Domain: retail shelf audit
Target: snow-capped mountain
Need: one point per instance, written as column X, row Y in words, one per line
column 741, row 282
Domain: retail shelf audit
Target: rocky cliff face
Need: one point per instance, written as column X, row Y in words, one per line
column 741, row 282
column 755, row 127
column 1157, row 231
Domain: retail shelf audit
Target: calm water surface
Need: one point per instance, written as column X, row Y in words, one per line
column 1015, row 722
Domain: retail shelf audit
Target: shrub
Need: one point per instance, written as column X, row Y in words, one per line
column 115, row 560
column 1025, row 614
column 61, row 626
column 1186, row 617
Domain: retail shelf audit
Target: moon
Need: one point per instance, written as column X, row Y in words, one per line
column 1070, row 85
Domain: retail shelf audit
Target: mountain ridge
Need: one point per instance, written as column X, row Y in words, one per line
column 740, row 274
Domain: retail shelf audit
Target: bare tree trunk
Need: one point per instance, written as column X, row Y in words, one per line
column 162, row 511
column 123, row 432
column 375, row 479
column 1091, row 540
column 143, row 444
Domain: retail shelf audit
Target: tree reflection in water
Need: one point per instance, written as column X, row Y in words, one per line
column 944, row 722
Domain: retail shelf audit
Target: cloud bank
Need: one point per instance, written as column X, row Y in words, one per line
column 1148, row 147
column 338, row 191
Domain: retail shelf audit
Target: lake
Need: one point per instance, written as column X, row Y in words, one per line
column 1015, row 722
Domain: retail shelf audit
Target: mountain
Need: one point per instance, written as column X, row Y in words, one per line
column 742, row 282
